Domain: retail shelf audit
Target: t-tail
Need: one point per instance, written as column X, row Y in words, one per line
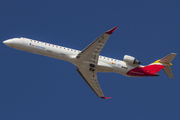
column 164, row 63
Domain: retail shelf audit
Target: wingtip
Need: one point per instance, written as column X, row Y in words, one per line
column 111, row 30
column 174, row 53
column 105, row 97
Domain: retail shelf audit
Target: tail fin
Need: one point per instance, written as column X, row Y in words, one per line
column 166, row 61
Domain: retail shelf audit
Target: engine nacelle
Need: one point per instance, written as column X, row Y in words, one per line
column 130, row 60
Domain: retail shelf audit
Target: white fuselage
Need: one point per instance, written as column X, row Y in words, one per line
column 105, row 64
column 88, row 61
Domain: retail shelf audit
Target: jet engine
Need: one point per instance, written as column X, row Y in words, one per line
column 130, row 60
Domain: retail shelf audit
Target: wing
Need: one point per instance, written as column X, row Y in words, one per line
column 92, row 51
column 89, row 58
column 90, row 77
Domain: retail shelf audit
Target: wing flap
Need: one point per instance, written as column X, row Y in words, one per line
column 90, row 77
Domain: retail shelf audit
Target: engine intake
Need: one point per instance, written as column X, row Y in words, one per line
column 130, row 60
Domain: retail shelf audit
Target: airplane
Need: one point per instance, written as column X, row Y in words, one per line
column 89, row 61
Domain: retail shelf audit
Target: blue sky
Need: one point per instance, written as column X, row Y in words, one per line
column 34, row 87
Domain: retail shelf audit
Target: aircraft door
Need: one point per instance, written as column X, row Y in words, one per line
column 50, row 53
column 25, row 41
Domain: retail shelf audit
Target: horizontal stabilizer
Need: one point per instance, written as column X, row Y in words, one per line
column 168, row 58
column 168, row 71
column 166, row 61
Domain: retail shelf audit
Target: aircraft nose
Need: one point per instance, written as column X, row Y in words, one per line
column 8, row 43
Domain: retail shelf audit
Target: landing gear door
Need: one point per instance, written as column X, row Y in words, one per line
column 63, row 56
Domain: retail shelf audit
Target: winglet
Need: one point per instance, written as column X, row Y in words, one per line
column 111, row 30
column 105, row 97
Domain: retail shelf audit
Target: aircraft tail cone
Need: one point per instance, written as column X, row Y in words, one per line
column 157, row 74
